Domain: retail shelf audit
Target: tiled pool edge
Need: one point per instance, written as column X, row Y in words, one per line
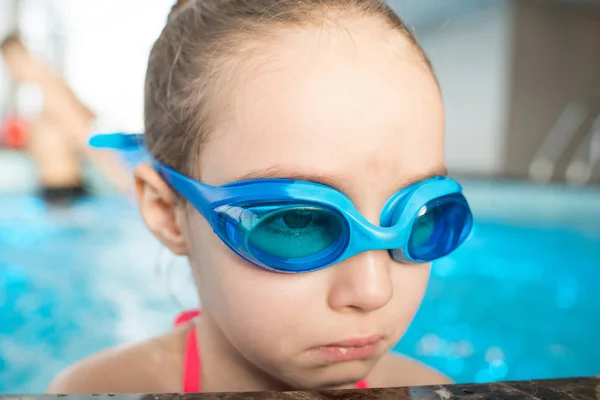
column 552, row 389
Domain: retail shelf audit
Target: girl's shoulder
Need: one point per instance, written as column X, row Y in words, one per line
column 154, row 365
column 396, row 370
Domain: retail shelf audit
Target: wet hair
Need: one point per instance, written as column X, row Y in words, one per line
column 200, row 49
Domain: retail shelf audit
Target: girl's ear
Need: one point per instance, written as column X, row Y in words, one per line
column 160, row 208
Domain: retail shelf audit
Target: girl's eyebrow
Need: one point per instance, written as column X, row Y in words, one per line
column 336, row 182
column 282, row 172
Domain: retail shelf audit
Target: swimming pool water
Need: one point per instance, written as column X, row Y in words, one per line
column 520, row 299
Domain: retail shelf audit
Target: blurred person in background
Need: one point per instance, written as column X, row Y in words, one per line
column 56, row 136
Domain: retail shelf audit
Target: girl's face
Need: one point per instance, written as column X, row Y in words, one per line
column 358, row 110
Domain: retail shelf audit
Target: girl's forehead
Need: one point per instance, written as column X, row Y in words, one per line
column 344, row 107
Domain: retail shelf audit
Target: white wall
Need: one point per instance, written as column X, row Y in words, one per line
column 6, row 16
column 107, row 48
column 472, row 58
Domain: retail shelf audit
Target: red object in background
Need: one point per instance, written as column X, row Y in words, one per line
column 13, row 133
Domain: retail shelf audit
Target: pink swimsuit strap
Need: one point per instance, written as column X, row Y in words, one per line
column 192, row 364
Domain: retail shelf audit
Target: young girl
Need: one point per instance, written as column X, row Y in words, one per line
column 299, row 165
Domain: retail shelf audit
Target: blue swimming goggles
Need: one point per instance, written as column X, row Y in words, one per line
column 295, row 226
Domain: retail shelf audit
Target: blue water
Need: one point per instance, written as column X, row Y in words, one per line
column 518, row 301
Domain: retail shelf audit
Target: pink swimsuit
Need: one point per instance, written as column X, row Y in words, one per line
column 192, row 365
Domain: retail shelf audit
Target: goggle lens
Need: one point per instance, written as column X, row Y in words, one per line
column 292, row 238
column 440, row 227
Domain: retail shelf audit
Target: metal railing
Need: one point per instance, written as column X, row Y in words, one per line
column 543, row 166
column 582, row 165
